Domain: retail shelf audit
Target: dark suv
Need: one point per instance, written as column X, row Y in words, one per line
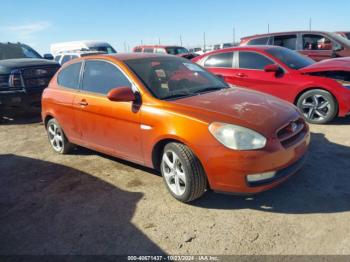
column 23, row 75
column 315, row 44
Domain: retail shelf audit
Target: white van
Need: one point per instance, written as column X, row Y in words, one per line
column 74, row 46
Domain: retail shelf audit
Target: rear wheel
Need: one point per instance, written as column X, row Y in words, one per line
column 57, row 138
column 182, row 172
column 318, row 106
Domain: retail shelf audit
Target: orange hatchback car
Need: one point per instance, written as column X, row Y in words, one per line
column 167, row 113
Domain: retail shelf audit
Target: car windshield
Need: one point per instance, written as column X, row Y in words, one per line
column 342, row 40
column 12, row 51
column 290, row 58
column 173, row 78
column 105, row 49
column 176, row 50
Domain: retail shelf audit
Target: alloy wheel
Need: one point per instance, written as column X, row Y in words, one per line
column 316, row 107
column 174, row 172
column 55, row 137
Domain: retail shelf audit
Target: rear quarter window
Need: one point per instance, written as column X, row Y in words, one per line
column 259, row 41
column 69, row 76
column 148, row 50
column 220, row 60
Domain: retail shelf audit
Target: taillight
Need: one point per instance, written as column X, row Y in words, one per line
column 15, row 79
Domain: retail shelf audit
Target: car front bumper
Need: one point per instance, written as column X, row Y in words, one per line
column 227, row 170
column 20, row 98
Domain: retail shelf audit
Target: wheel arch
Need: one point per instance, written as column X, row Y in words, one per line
column 48, row 117
column 158, row 148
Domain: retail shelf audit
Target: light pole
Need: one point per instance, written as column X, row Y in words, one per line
column 234, row 35
column 310, row 24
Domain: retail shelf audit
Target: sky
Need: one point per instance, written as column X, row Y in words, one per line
column 127, row 23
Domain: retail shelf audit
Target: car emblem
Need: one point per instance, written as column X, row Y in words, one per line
column 293, row 127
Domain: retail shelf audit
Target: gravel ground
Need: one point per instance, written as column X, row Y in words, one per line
column 88, row 203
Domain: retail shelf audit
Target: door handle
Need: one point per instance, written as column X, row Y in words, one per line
column 83, row 103
column 241, row 75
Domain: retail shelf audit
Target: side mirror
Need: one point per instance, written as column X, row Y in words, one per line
column 121, row 94
column 272, row 68
column 48, row 56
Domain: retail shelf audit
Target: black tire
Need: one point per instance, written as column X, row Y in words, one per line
column 196, row 181
column 64, row 146
column 312, row 105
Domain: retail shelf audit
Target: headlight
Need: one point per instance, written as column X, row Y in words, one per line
column 237, row 137
column 15, row 79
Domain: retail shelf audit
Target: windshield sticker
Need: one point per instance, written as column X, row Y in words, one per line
column 193, row 67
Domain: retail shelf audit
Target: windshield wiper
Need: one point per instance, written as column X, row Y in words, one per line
column 178, row 95
column 208, row 89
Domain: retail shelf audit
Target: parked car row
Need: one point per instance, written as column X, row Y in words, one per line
column 220, row 121
column 317, row 45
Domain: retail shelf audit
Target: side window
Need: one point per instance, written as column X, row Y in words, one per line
column 251, row 60
column 160, row 50
column 138, row 50
column 100, row 77
column 57, row 58
column 316, row 42
column 73, row 56
column 69, row 76
column 220, row 60
column 259, row 41
column 65, row 59
column 148, row 50
column 287, row 41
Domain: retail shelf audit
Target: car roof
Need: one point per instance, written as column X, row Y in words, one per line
column 79, row 53
column 283, row 33
column 156, row 46
column 127, row 56
column 249, row 47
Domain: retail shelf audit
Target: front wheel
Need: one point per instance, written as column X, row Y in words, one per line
column 182, row 172
column 318, row 106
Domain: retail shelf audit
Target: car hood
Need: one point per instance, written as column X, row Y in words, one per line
column 334, row 64
column 9, row 64
column 258, row 111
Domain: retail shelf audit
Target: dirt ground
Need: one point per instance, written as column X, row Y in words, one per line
column 88, row 203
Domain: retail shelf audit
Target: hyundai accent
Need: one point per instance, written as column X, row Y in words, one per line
column 170, row 114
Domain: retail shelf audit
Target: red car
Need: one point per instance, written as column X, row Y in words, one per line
column 321, row 90
column 164, row 49
column 315, row 44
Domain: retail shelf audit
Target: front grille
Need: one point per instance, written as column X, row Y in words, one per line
column 4, row 81
column 292, row 133
column 38, row 77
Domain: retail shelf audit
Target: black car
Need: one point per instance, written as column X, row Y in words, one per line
column 23, row 75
